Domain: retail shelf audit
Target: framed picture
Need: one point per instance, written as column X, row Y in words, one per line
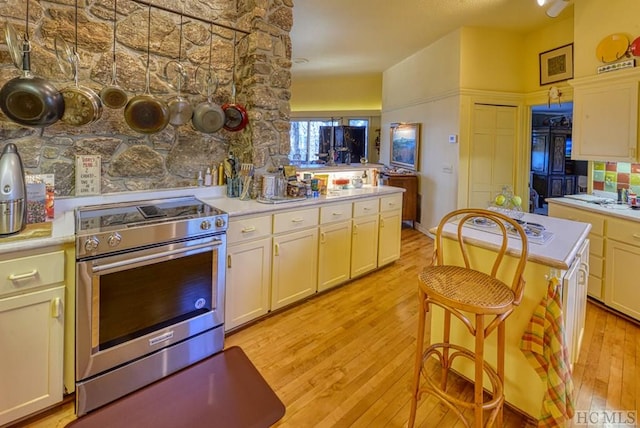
column 405, row 145
column 556, row 64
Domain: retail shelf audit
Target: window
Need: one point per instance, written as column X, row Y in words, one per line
column 305, row 137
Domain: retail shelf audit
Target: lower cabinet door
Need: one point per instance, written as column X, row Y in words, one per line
column 334, row 254
column 364, row 245
column 31, row 355
column 248, row 282
column 390, row 229
column 294, row 273
column 621, row 282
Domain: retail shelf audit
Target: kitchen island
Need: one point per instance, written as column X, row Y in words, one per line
column 563, row 255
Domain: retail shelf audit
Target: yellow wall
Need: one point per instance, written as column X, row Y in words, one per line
column 335, row 93
column 491, row 60
column 596, row 19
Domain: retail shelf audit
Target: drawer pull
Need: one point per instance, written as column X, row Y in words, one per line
column 297, row 220
column 336, row 213
column 249, row 229
column 276, row 249
column 18, row 277
column 381, row 223
column 367, row 209
column 229, row 261
column 322, row 238
column 391, row 204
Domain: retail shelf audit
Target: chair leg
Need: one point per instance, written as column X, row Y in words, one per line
column 445, row 351
column 415, row 387
column 501, row 351
column 479, row 372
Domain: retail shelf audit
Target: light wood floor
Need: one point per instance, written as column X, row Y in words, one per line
column 345, row 358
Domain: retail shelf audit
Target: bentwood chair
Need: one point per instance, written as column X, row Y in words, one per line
column 480, row 300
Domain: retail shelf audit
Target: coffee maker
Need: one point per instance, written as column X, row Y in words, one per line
column 13, row 192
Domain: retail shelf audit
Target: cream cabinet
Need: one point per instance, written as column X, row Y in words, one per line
column 334, row 246
column 595, row 283
column 364, row 237
column 248, row 272
column 623, row 254
column 294, row 272
column 389, row 229
column 32, row 293
column 574, row 301
column 605, row 118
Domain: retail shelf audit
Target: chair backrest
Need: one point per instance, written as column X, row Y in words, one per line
column 492, row 222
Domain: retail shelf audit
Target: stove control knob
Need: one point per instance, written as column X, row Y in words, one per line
column 205, row 225
column 219, row 222
column 114, row 239
column 91, row 244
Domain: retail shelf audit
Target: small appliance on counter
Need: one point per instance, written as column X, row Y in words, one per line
column 13, row 192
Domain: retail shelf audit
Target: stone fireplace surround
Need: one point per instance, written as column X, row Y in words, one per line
column 173, row 157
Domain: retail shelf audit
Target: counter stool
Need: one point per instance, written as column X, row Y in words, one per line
column 479, row 300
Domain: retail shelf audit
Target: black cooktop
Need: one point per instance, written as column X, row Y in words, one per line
column 124, row 215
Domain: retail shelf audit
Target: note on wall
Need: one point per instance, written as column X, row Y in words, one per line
column 88, row 175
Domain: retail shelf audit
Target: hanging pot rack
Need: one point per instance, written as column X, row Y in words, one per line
column 186, row 15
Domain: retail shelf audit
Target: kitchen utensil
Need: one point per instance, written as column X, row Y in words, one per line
column 113, row 96
column 612, row 48
column 144, row 113
column 236, row 117
column 82, row 104
column 13, row 191
column 208, row 117
column 30, row 100
column 13, row 43
column 180, row 110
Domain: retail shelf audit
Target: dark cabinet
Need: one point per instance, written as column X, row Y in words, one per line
column 551, row 164
column 409, row 182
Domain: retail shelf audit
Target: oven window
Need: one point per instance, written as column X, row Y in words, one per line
column 138, row 301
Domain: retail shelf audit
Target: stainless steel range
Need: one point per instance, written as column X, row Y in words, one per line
column 150, row 280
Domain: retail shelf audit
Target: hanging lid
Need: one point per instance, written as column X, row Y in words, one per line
column 12, row 184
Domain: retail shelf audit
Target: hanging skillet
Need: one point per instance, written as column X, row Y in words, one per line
column 145, row 113
column 30, row 100
column 208, row 117
column 82, row 104
column 113, row 96
column 180, row 110
column 236, row 118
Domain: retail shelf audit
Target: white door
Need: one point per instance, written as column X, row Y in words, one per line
column 493, row 152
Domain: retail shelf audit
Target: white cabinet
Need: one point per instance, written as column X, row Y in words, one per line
column 389, row 229
column 574, row 301
column 294, row 271
column 605, row 118
column 31, row 334
column 623, row 253
column 248, row 282
column 364, row 237
column 334, row 246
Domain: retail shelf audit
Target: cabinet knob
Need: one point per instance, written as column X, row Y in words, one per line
column 91, row 244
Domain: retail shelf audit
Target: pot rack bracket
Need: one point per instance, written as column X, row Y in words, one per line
column 186, row 15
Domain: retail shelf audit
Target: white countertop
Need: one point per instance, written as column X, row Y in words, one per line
column 63, row 225
column 614, row 210
column 558, row 252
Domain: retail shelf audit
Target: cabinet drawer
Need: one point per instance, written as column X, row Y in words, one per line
column 624, row 231
column 337, row 212
column 576, row 214
column 596, row 265
column 367, row 207
column 243, row 229
column 597, row 245
column 294, row 220
column 30, row 272
column 391, row 203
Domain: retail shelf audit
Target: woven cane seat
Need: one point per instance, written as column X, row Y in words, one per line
column 466, row 289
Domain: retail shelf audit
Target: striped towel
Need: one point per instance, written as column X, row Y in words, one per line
column 544, row 346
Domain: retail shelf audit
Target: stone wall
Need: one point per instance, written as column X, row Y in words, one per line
column 171, row 158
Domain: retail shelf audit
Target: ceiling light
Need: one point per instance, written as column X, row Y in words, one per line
column 557, row 7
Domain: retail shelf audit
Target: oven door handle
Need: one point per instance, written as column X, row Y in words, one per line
column 161, row 255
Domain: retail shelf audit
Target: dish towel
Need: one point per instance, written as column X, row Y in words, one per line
column 544, row 346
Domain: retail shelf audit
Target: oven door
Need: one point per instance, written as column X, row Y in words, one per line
column 136, row 303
